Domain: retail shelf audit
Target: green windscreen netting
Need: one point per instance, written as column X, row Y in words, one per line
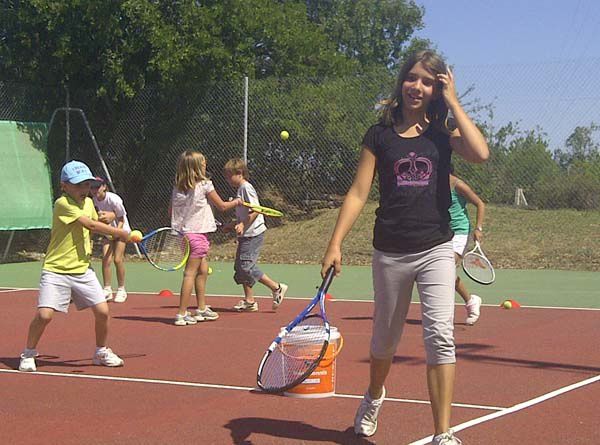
column 26, row 201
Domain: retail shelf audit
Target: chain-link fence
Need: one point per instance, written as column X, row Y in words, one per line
column 141, row 138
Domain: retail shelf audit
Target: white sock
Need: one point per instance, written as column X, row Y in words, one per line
column 100, row 349
column 121, row 288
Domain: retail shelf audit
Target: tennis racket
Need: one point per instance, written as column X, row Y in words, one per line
column 267, row 211
column 165, row 248
column 299, row 347
column 477, row 266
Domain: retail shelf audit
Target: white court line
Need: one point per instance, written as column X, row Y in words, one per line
column 346, row 300
column 217, row 386
column 515, row 408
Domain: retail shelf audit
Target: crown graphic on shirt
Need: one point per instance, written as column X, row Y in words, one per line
column 413, row 171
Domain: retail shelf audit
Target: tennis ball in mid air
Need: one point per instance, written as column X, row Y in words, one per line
column 507, row 305
column 209, row 270
column 284, row 135
column 135, row 236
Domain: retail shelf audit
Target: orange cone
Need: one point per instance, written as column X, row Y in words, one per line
column 515, row 303
column 165, row 293
column 328, row 296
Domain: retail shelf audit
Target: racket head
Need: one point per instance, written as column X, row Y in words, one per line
column 166, row 249
column 299, row 347
column 267, row 211
column 294, row 354
column 477, row 267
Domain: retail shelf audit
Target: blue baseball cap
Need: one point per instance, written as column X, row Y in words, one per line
column 75, row 172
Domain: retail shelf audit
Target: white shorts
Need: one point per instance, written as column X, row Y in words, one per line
column 56, row 290
column 459, row 243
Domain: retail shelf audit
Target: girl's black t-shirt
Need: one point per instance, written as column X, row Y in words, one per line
column 414, row 189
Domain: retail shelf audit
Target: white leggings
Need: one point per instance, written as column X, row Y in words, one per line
column 434, row 272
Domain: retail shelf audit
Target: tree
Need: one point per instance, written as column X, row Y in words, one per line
column 118, row 46
column 374, row 32
column 580, row 146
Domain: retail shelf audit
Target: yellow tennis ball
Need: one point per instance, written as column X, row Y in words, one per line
column 209, row 270
column 135, row 236
column 284, row 135
column 507, row 305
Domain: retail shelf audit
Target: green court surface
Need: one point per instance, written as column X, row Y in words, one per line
column 528, row 287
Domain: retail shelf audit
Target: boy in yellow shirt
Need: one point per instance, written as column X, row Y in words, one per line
column 66, row 273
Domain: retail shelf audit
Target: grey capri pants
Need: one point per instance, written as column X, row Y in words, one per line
column 394, row 274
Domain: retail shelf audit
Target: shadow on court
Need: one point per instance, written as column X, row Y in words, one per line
column 243, row 428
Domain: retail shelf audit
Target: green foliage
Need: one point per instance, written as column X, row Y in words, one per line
column 372, row 32
column 580, row 146
column 118, row 46
column 326, row 121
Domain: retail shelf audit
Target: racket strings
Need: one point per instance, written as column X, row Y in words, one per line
column 166, row 248
column 296, row 356
column 478, row 267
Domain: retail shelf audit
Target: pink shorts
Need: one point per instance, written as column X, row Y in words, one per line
column 199, row 244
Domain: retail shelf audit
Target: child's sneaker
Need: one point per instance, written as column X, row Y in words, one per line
column 206, row 314
column 446, row 439
column 108, row 293
column 278, row 295
column 183, row 320
column 365, row 422
column 473, row 310
column 27, row 363
column 106, row 357
column 121, row 295
column 244, row 306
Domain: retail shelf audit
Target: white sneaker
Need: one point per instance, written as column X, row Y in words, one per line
column 278, row 295
column 207, row 314
column 106, row 357
column 121, row 295
column 446, row 439
column 183, row 320
column 473, row 310
column 27, row 363
column 365, row 421
column 244, row 306
column 108, row 293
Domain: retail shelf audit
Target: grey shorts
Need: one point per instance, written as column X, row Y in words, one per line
column 394, row 275
column 246, row 258
column 57, row 290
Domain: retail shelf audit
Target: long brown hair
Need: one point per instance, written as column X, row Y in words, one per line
column 437, row 111
column 191, row 169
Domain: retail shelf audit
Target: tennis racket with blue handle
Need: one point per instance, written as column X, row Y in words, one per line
column 295, row 353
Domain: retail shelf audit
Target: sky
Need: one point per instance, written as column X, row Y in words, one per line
column 536, row 61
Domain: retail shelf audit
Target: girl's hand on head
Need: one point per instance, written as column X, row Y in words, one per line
column 448, row 88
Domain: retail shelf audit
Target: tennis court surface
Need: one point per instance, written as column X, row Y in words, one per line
column 524, row 376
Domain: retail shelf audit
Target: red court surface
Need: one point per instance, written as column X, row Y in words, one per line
column 194, row 384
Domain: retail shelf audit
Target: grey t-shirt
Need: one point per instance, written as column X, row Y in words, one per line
column 247, row 193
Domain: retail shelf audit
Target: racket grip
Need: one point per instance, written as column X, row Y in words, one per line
column 327, row 280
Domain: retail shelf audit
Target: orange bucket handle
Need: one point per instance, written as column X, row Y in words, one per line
column 339, row 348
column 326, row 362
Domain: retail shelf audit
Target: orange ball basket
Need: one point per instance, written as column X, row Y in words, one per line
column 321, row 382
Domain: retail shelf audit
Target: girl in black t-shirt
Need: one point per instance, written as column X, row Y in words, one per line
column 410, row 150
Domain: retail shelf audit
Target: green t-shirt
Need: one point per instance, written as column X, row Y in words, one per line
column 70, row 248
column 459, row 217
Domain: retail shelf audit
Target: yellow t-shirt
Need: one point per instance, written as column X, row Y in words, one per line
column 70, row 249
